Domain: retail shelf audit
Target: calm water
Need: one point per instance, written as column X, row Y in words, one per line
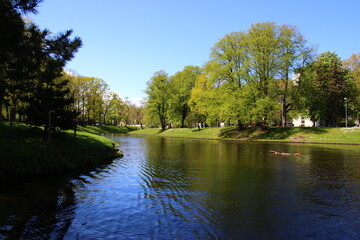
column 191, row 189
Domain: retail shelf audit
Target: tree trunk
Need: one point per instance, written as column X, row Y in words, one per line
column 284, row 106
column 283, row 112
column 239, row 124
column 182, row 122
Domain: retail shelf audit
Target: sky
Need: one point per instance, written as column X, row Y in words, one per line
column 126, row 41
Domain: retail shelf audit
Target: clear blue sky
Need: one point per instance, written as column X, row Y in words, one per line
column 126, row 41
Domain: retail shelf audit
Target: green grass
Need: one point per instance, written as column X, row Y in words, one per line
column 25, row 152
column 208, row 133
column 106, row 129
column 310, row 135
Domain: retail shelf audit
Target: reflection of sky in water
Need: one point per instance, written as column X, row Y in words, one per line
column 188, row 189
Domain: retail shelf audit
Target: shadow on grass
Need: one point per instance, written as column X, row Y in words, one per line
column 106, row 129
column 270, row 133
column 237, row 133
column 286, row 132
column 197, row 130
column 161, row 131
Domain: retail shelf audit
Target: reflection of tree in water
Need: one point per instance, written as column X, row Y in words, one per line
column 220, row 188
column 36, row 210
column 329, row 193
column 168, row 186
column 164, row 172
column 41, row 208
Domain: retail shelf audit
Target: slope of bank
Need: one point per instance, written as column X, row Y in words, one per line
column 24, row 152
column 105, row 129
column 319, row 135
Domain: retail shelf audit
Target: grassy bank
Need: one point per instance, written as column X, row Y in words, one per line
column 106, row 129
column 25, row 152
column 298, row 135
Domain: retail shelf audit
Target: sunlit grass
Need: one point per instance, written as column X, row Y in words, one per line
column 106, row 129
column 209, row 133
column 289, row 134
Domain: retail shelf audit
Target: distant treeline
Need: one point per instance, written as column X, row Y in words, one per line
column 266, row 75
column 95, row 104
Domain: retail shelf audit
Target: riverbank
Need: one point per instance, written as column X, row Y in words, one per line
column 24, row 152
column 317, row 135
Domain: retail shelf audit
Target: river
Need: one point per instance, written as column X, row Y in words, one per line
column 167, row 188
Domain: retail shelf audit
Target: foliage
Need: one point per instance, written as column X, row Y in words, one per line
column 159, row 93
column 352, row 64
column 32, row 85
column 181, row 84
column 323, row 85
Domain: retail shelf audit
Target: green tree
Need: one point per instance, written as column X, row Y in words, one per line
column 182, row 83
column 252, row 70
column 229, row 58
column 293, row 53
column 263, row 51
column 138, row 113
column 47, row 95
column 15, row 54
column 352, row 64
column 228, row 67
column 323, row 85
column 158, row 97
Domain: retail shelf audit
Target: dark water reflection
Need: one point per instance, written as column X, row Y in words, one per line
column 189, row 189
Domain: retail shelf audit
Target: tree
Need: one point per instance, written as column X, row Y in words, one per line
column 13, row 56
column 228, row 68
column 182, row 83
column 352, row 64
column 48, row 93
column 109, row 99
column 252, row 69
column 229, row 58
column 323, row 85
column 138, row 114
column 263, row 51
column 159, row 97
column 293, row 54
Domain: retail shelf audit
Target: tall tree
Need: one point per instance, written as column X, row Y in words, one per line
column 182, row 83
column 13, row 37
column 159, row 97
column 324, row 84
column 263, row 52
column 48, row 93
column 230, row 60
column 228, row 68
column 293, row 54
column 353, row 65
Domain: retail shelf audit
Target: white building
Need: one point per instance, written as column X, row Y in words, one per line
column 304, row 122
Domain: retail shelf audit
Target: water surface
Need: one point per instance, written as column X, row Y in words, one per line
column 166, row 188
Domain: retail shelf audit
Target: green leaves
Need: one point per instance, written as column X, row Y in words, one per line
column 323, row 86
column 158, row 92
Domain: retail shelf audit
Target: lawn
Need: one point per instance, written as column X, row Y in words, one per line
column 289, row 134
column 25, row 151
